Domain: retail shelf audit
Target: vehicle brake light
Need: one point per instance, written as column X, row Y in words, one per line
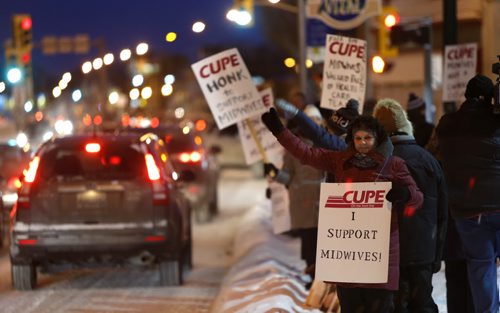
column 92, row 147
column 31, row 173
column 153, row 170
column 14, row 183
column 155, row 238
column 27, row 242
column 186, row 157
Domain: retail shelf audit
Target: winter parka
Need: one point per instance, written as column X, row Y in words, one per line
column 423, row 234
column 469, row 149
column 392, row 168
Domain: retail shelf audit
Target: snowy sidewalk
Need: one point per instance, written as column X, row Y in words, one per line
column 266, row 275
column 266, row 272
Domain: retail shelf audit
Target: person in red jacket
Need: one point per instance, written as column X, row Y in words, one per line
column 361, row 162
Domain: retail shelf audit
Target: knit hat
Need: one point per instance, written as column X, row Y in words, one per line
column 392, row 116
column 414, row 102
column 342, row 118
column 479, row 86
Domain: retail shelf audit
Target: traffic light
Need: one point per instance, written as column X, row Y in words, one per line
column 23, row 41
column 246, row 5
column 386, row 21
column 22, row 27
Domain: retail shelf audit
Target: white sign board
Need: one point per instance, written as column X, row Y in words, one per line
column 228, row 88
column 344, row 72
column 460, row 63
column 280, row 204
column 266, row 138
column 354, row 233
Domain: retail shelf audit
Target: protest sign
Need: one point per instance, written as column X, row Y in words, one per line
column 354, row 232
column 344, row 72
column 280, row 205
column 228, row 88
column 460, row 62
column 266, row 139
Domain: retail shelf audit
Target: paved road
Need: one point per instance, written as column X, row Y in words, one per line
column 137, row 289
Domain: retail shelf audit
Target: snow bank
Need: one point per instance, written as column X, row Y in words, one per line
column 266, row 274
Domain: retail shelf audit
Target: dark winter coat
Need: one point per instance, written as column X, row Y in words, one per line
column 423, row 234
column 336, row 162
column 469, row 149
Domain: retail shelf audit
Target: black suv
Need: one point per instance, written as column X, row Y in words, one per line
column 103, row 199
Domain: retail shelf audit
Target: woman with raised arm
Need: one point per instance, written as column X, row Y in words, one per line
column 363, row 161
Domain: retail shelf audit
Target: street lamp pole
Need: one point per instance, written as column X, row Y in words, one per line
column 302, row 46
column 300, row 10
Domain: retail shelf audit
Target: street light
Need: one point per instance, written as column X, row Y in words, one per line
column 235, row 15
column 14, row 75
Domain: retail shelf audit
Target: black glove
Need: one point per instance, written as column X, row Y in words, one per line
column 268, row 193
column 398, row 194
column 436, row 266
column 272, row 121
column 270, row 169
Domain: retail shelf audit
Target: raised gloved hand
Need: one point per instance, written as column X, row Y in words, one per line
column 398, row 194
column 289, row 109
column 270, row 169
column 272, row 121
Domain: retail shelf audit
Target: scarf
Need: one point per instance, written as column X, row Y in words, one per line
column 363, row 161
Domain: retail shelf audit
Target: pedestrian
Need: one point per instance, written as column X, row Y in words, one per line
column 362, row 161
column 416, row 113
column 303, row 183
column 469, row 149
column 422, row 234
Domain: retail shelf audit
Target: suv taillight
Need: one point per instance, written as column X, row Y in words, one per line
column 23, row 200
column 159, row 189
column 190, row 157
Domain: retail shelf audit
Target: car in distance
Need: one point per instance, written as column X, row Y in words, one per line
column 189, row 154
column 13, row 160
column 102, row 199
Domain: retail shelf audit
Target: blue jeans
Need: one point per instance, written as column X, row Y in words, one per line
column 479, row 237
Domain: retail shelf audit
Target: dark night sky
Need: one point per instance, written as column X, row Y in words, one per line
column 123, row 24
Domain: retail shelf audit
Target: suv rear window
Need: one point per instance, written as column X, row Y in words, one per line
column 113, row 161
column 177, row 143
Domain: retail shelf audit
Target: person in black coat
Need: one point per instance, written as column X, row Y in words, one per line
column 469, row 149
column 422, row 233
column 422, row 130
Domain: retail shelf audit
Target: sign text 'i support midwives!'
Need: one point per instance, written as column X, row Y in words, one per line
column 354, row 232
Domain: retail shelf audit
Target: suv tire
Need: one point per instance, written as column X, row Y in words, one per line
column 170, row 273
column 23, row 276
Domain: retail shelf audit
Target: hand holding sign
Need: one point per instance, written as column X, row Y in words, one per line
column 273, row 122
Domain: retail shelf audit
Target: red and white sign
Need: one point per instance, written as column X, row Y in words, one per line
column 228, row 88
column 268, row 142
column 344, row 72
column 460, row 62
column 354, row 232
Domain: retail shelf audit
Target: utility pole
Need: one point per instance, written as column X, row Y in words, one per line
column 302, row 47
column 449, row 38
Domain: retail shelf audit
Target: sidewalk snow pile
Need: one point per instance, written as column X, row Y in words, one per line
column 266, row 275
